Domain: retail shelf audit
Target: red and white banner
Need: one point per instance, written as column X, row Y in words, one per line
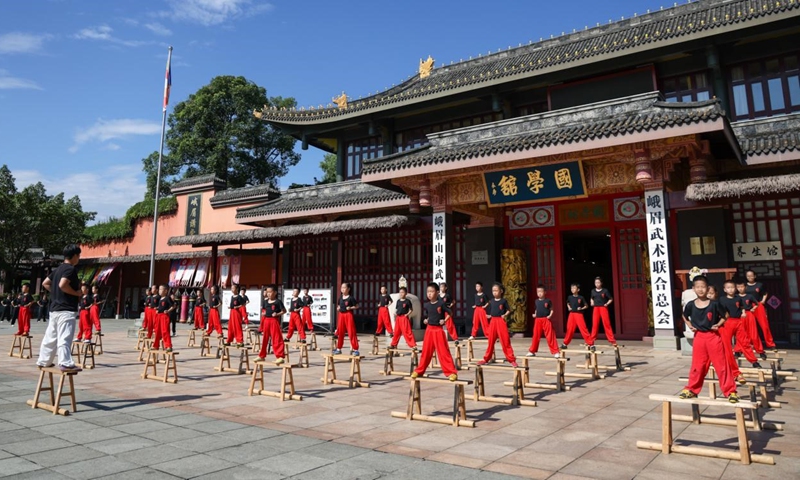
column 224, row 271
column 200, row 274
column 236, row 268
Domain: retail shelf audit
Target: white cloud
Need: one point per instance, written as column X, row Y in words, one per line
column 8, row 82
column 213, row 12
column 109, row 192
column 158, row 29
column 105, row 130
column 104, row 33
column 112, row 147
column 17, row 42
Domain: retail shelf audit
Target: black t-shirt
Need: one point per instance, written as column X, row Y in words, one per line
column 601, row 297
column 60, row 300
column 756, row 290
column 272, row 309
column 200, row 301
column 307, row 300
column 576, row 302
column 480, row 299
column 164, row 304
column 448, row 299
column 236, row 301
column 703, row 318
column 435, row 312
column 215, row 301
column 86, row 302
column 245, row 299
column 153, row 300
column 749, row 300
column 385, row 301
column 498, row 308
column 347, row 302
column 25, row 299
column 296, row 304
column 96, row 298
column 543, row 308
column 732, row 306
column 403, row 306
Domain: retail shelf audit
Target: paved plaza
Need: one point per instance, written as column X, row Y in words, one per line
column 207, row 427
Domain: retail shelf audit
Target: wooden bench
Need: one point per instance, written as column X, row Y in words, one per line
column 170, row 366
column 771, row 375
column 254, row 338
column 303, row 347
column 86, row 355
column 388, row 361
column 591, row 364
column 192, row 341
column 55, row 395
column 618, row 366
column 459, row 416
column 354, row 379
column 667, row 446
column 98, row 341
column 140, row 337
column 560, row 384
column 517, row 399
column 21, row 347
column 287, row 380
column 225, row 360
column 471, row 349
column 220, row 345
column 755, row 418
column 147, row 345
column 457, row 361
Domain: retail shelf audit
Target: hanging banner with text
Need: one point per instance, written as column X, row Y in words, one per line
column 535, row 184
column 439, row 246
column 757, row 251
column 660, row 272
column 193, row 214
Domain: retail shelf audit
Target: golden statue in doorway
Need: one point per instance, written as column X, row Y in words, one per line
column 514, row 276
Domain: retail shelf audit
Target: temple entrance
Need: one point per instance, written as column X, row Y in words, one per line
column 587, row 255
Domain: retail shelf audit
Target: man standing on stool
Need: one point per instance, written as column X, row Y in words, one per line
column 63, row 285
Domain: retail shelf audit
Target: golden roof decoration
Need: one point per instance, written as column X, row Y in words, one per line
column 341, row 100
column 426, row 67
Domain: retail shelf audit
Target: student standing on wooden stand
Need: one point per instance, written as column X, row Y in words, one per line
column 214, row 304
column 243, row 307
column 704, row 317
column 235, row 318
column 576, row 304
column 600, row 299
column 347, row 323
column 295, row 321
column 165, row 306
column 384, row 320
column 479, row 313
column 436, row 313
column 152, row 300
column 542, row 324
column 94, row 311
column 307, row 301
column 750, row 303
column 199, row 305
column 272, row 310
column 402, row 324
column 498, row 329
column 25, row 301
column 735, row 311
column 449, row 302
column 63, row 285
column 757, row 290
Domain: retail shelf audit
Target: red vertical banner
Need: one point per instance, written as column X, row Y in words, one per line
column 224, row 271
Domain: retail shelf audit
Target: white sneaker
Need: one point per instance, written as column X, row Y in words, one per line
column 530, row 354
column 556, row 355
column 471, row 338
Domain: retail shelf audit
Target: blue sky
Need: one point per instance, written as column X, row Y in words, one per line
column 81, row 82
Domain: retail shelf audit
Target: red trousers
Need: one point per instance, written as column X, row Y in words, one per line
column 733, row 329
column 84, row 325
column 198, row 318
column 707, row 349
column 151, row 322
column 499, row 330
column 751, row 328
column 24, row 321
column 435, row 340
column 347, row 325
column 214, row 322
column 576, row 319
column 763, row 322
column 94, row 315
column 543, row 325
column 599, row 313
column 450, row 325
column 479, row 320
column 306, row 312
column 235, row 326
column 243, row 314
column 296, row 323
column 272, row 333
column 384, row 321
column 402, row 326
column 162, row 331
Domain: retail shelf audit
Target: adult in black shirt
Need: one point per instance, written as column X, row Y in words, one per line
column 43, row 304
column 63, row 285
column 6, row 302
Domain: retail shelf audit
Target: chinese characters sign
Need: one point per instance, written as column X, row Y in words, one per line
column 439, row 257
column 757, row 251
column 584, row 212
column 660, row 272
column 193, row 214
column 534, row 184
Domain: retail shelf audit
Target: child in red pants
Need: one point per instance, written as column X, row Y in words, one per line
column 541, row 323
column 735, row 311
column 272, row 310
column 402, row 324
column 756, row 289
column 165, row 306
column 235, row 318
column 94, row 311
column 25, row 300
column 600, row 298
column 84, row 323
column 449, row 302
column 384, row 320
column 436, row 313
column 479, row 319
column 576, row 304
column 498, row 313
column 750, row 304
column 243, row 308
column 306, row 313
column 200, row 302
column 214, row 303
column 152, row 301
column 295, row 321
column 347, row 324
column 704, row 317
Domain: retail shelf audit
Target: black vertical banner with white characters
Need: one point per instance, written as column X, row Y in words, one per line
column 193, row 214
column 660, row 269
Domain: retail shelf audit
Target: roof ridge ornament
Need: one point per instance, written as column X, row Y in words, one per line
column 426, row 67
column 341, row 101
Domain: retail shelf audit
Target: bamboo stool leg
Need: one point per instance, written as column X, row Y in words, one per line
column 313, row 341
column 57, row 401
column 741, row 430
column 458, row 357
column 26, row 345
column 304, row 361
column 375, row 348
column 72, row 394
column 666, row 428
column 13, row 346
column 192, row 341
column 470, row 352
column 38, row 388
column 98, row 340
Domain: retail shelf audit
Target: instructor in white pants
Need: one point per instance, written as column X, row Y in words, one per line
column 63, row 285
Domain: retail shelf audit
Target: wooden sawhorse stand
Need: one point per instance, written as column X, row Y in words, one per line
column 205, row 346
column 170, row 366
column 86, row 352
column 140, row 338
column 220, row 346
column 303, row 362
column 667, row 445
column 225, row 360
column 457, row 362
column 755, row 418
column 192, row 341
column 312, row 341
column 560, row 384
column 55, row 395
column 146, row 346
column 254, row 338
column 471, row 350
column 388, row 361
column 459, row 417
column 518, row 399
column 287, row 380
column 21, row 345
column 355, row 371
column 591, row 364
column 618, row 366
column 98, row 341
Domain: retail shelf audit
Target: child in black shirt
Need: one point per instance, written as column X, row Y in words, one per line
column 384, row 319
column 576, row 304
column 542, row 323
column 436, row 313
column 479, row 312
column 498, row 329
column 272, row 310
column 600, row 299
column 402, row 322
column 347, row 323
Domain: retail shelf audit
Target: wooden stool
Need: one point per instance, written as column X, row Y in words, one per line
column 763, row 401
column 303, row 362
column 77, row 348
column 205, row 345
column 98, row 340
column 459, row 417
column 471, row 350
column 755, row 417
column 87, row 354
column 312, row 341
column 388, row 361
column 355, row 371
column 220, row 345
column 146, row 346
column 518, row 399
column 225, row 360
column 140, row 338
column 21, row 345
column 192, row 341
column 55, row 395
column 287, row 380
column 591, row 364
column 170, row 366
column 376, row 349
column 666, row 446
column 254, row 339
column 560, row 384
column 617, row 359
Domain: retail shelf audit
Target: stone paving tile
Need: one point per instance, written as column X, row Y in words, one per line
column 95, row 468
column 34, row 446
column 193, row 466
column 62, row 456
column 291, row 463
column 116, row 446
column 241, row 473
column 140, row 474
column 14, row 465
column 153, row 455
column 42, row 474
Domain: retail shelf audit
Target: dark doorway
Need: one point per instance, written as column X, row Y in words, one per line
column 587, row 255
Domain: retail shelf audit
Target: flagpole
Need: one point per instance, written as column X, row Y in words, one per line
column 158, row 173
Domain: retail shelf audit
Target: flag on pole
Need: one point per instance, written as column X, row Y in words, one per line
column 168, row 80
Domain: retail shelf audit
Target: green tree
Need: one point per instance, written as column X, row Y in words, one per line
column 328, row 167
column 215, row 132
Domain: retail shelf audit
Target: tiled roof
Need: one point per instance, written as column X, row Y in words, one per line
column 332, row 195
column 769, row 135
column 650, row 30
column 240, row 195
column 199, row 180
column 600, row 120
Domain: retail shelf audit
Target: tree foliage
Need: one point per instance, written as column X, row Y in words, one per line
column 31, row 218
column 215, row 132
column 328, row 166
column 119, row 228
